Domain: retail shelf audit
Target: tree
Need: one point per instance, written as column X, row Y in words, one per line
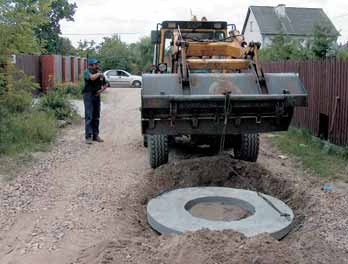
column 49, row 32
column 323, row 41
column 18, row 20
column 142, row 53
column 65, row 47
column 114, row 53
column 284, row 48
column 87, row 49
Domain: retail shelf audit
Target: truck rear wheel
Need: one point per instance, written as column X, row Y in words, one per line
column 247, row 147
column 158, row 150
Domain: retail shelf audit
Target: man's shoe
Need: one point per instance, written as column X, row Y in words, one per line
column 98, row 139
column 89, row 141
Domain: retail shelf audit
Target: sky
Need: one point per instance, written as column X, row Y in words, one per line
column 133, row 19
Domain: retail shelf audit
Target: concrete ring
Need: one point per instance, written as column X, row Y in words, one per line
column 168, row 212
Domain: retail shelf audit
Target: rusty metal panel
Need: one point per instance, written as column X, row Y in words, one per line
column 72, row 69
column 79, row 68
column 327, row 83
column 30, row 65
column 48, row 72
column 63, row 70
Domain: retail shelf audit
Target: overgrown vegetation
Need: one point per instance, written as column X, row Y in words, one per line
column 24, row 127
column 71, row 90
column 323, row 159
column 113, row 53
column 57, row 104
column 322, row 45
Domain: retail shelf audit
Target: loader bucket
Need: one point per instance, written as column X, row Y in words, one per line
column 170, row 109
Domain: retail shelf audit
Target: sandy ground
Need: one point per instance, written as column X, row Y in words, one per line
column 86, row 204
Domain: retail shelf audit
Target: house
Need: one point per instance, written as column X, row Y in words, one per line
column 262, row 23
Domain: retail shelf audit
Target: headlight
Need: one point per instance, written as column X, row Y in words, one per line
column 162, row 67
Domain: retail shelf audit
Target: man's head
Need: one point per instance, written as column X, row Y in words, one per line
column 93, row 64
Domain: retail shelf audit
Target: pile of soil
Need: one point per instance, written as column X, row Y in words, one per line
column 204, row 246
column 317, row 236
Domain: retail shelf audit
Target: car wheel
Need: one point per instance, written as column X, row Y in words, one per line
column 136, row 84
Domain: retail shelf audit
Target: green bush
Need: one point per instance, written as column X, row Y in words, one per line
column 24, row 128
column 24, row 82
column 28, row 131
column 58, row 104
column 17, row 102
column 72, row 90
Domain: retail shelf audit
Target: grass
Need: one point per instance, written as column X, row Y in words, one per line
column 28, row 128
column 71, row 90
column 27, row 132
column 325, row 160
column 58, row 104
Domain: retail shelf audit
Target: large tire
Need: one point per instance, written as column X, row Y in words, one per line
column 247, row 147
column 158, row 150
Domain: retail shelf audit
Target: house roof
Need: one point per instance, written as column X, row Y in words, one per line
column 297, row 21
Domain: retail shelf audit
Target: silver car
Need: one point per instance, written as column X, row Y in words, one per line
column 121, row 78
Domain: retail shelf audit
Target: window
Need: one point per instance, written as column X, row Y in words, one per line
column 251, row 26
column 111, row 73
column 122, row 73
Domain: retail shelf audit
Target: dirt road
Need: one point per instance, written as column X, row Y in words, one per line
column 71, row 199
column 86, row 204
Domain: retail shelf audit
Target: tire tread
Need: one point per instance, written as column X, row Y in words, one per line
column 248, row 149
column 158, row 150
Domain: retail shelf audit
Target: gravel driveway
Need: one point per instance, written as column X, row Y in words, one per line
column 86, row 204
column 70, row 199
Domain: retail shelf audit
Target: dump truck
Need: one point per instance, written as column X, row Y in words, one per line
column 207, row 84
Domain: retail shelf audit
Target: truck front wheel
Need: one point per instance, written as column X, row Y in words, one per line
column 158, row 150
column 247, row 147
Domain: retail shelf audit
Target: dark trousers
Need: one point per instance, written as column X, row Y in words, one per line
column 92, row 114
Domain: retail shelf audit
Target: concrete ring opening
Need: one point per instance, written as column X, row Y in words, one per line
column 216, row 208
column 171, row 212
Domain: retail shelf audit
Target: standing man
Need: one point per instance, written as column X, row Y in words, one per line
column 95, row 84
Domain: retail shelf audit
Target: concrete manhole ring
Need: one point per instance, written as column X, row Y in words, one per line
column 168, row 212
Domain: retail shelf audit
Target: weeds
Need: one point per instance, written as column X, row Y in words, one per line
column 30, row 131
column 318, row 156
column 58, row 104
column 71, row 90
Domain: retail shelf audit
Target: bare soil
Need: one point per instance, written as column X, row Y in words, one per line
column 87, row 204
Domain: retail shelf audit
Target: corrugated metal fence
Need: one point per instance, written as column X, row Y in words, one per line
column 327, row 84
column 30, row 65
column 50, row 70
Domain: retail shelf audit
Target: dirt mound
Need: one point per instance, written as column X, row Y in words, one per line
column 202, row 247
column 306, row 243
column 223, row 171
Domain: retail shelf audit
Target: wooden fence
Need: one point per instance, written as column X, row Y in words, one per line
column 327, row 84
